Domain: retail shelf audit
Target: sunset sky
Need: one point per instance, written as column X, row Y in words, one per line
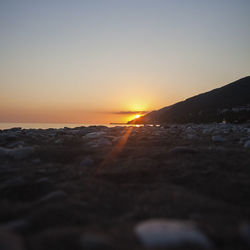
column 100, row 61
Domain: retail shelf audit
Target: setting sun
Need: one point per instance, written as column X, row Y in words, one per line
column 132, row 117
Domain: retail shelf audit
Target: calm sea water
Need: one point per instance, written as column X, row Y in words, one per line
column 5, row 125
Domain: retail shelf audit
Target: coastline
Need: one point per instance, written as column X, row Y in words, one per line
column 9, row 125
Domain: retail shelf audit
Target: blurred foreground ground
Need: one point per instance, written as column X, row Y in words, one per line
column 98, row 187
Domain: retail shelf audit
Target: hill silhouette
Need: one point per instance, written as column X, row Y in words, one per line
column 230, row 103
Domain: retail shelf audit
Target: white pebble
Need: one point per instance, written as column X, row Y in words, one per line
column 170, row 233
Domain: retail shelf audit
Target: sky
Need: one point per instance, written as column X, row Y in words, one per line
column 101, row 61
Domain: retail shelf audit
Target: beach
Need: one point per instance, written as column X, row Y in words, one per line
column 126, row 187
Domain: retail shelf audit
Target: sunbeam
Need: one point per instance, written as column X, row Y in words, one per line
column 116, row 150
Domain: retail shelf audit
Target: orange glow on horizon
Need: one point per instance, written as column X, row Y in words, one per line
column 34, row 114
column 132, row 117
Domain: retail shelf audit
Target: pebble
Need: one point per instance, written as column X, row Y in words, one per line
column 116, row 139
column 16, row 181
column 36, row 161
column 55, row 195
column 99, row 143
column 65, row 238
column 3, row 152
column 19, row 189
column 87, row 162
column 207, row 130
column 94, row 241
column 190, row 130
column 16, row 144
column 191, row 136
column 103, row 142
column 10, row 241
column 15, row 225
column 20, row 153
column 43, row 180
column 95, row 135
column 218, row 138
column 170, row 233
column 57, row 238
column 57, row 214
column 59, row 141
column 245, row 232
column 247, row 144
column 183, row 150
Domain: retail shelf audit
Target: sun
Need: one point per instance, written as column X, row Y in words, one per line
column 133, row 117
column 137, row 116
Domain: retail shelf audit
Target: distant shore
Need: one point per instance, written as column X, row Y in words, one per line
column 9, row 125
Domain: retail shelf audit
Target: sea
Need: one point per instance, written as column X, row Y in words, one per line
column 8, row 125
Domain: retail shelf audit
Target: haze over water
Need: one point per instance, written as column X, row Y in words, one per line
column 96, row 61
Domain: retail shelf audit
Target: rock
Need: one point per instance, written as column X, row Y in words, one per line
column 247, row 130
column 68, row 138
column 57, row 238
column 190, row 130
column 116, row 139
column 191, row 136
column 247, row 144
column 10, row 136
column 16, row 144
column 170, row 233
column 94, row 241
column 3, row 152
column 43, row 180
column 36, row 161
column 20, row 153
column 110, row 137
column 183, row 150
column 218, row 138
column 65, row 238
column 19, row 189
column 87, row 162
column 207, row 130
column 16, row 181
column 95, row 135
column 10, row 241
column 15, row 129
column 103, row 142
column 57, row 214
column 16, row 225
column 55, row 195
column 59, row 141
column 243, row 140
column 245, row 232
column 74, row 131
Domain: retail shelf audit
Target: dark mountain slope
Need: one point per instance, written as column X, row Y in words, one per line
column 230, row 102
